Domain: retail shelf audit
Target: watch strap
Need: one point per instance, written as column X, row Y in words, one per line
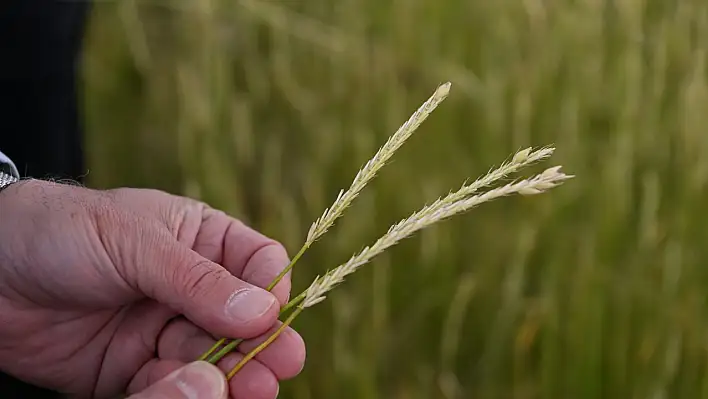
column 8, row 172
column 6, row 180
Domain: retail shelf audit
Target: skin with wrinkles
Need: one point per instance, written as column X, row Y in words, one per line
column 106, row 292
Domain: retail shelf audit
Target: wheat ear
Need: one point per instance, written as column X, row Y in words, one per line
column 431, row 214
column 519, row 161
column 368, row 172
column 345, row 198
column 439, row 210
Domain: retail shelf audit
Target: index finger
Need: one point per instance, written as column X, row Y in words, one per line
column 243, row 251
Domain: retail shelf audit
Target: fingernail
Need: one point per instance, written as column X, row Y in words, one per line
column 201, row 380
column 248, row 304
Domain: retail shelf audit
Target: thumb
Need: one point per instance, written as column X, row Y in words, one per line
column 198, row 380
column 205, row 292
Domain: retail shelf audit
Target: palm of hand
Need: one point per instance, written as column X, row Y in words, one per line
column 95, row 286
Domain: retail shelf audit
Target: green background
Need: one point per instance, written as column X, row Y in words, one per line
column 266, row 108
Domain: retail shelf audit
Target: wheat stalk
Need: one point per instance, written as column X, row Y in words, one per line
column 345, row 199
column 442, row 209
column 521, row 159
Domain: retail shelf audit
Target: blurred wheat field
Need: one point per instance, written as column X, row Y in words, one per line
column 266, row 108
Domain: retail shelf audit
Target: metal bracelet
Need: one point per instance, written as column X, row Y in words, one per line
column 6, row 180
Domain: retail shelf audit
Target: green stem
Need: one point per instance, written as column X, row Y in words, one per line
column 265, row 344
column 233, row 344
column 294, row 302
column 288, row 268
column 211, row 350
column 270, row 287
column 225, row 351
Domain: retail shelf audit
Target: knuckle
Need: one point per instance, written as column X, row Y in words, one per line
column 183, row 218
column 200, row 278
column 272, row 248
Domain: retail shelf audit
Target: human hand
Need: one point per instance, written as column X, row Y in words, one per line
column 106, row 292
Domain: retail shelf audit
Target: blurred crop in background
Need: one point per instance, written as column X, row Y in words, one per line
column 266, row 108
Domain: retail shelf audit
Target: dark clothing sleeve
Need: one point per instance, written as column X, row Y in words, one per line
column 40, row 43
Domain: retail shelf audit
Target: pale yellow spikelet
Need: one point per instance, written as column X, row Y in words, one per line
column 438, row 211
column 368, row 172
